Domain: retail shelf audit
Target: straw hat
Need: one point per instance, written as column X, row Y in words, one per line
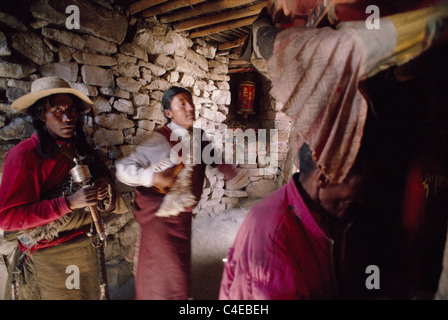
column 44, row 87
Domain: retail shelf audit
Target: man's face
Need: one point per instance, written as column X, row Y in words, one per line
column 336, row 198
column 182, row 110
column 60, row 116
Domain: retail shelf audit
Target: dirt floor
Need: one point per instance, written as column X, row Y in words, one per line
column 212, row 238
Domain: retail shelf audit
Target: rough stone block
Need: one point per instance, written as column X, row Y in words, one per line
column 114, row 121
column 198, row 59
column 124, row 106
column 146, row 125
column 32, row 47
column 4, row 48
column 65, row 70
column 156, row 70
column 133, row 50
column 18, row 128
column 221, row 97
column 68, row 38
column 115, row 92
column 95, row 19
column 158, row 84
column 127, row 70
column 101, row 105
column 99, row 45
column 165, row 62
column 154, row 114
column 98, row 60
column 14, row 70
column 128, row 84
column 107, row 138
column 141, row 99
column 87, row 90
column 97, row 76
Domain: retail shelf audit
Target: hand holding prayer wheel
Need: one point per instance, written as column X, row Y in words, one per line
column 89, row 195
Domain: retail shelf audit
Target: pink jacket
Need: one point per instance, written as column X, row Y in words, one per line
column 279, row 253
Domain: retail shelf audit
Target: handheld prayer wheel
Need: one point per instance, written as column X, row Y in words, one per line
column 246, row 98
column 81, row 174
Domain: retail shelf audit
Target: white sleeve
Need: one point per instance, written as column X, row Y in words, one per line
column 134, row 170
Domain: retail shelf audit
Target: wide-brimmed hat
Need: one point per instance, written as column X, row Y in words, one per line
column 44, row 87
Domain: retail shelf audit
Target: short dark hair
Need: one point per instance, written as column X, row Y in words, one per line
column 306, row 161
column 170, row 94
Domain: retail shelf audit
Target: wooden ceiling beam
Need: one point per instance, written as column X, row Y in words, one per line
column 233, row 62
column 202, row 9
column 170, row 6
column 218, row 18
column 241, row 70
column 217, row 37
column 224, row 26
column 232, row 44
column 143, row 4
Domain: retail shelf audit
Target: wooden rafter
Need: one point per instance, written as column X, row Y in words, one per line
column 226, row 35
column 143, row 4
column 224, row 26
column 239, row 62
column 203, row 9
column 170, row 6
column 218, row 18
column 241, row 70
column 217, row 38
column 232, row 44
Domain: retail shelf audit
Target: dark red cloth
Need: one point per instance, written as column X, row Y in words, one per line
column 163, row 269
column 61, row 239
column 26, row 175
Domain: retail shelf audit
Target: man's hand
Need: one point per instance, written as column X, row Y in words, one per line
column 165, row 179
column 87, row 196
column 102, row 189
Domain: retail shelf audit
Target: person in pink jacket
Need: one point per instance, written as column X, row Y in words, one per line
column 290, row 243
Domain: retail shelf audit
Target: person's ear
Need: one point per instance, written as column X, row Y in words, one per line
column 168, row 113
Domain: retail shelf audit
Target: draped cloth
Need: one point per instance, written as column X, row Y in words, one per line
column 315, row 75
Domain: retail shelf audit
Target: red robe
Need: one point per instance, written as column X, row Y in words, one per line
column 164, row 258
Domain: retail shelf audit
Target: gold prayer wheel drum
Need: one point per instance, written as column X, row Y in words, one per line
column 246, row 97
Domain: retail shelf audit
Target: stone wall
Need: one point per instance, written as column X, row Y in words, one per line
column 124, row 65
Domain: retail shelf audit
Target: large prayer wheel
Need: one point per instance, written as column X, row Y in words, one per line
column 246, row 98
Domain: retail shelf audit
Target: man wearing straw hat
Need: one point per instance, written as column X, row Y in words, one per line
column 43, row 208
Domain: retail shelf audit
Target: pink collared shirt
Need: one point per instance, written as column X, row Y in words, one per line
column 279, row 253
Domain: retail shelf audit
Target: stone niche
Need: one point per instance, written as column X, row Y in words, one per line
column 124, row 65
